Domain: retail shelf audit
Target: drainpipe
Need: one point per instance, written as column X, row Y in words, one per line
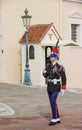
column 60, row 17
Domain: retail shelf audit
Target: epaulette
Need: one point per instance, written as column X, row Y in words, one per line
column 59, row 67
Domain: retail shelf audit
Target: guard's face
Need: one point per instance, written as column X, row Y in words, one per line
column 52, row 59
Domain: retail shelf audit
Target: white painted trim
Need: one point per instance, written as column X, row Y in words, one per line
column 78, row 1
column 77, row 15
column 76, row 21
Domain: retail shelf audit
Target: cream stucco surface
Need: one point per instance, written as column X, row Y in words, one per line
column 12, row 60
column 12, row 30
column 68, row 9
column 70, row 58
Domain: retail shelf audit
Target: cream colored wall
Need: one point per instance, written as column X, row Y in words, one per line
column 10, row 37
column 0, row 58
column 36, row 66
column 42, row 11
column 70, row 58
column 68, row 8
column 23, row 60
column 0, row 51
column 0, row 46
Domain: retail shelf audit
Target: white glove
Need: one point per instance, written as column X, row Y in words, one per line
column 62, row 92
column 44, row 71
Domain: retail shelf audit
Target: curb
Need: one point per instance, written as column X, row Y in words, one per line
column 5, row 110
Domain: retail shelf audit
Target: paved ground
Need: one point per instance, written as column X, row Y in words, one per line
column 27, row 108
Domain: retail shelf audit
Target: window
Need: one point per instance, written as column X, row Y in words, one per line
column 31, row 52
column 75, row 32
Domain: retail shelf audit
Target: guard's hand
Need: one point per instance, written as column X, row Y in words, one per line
column 62, row 92
column 44, row 71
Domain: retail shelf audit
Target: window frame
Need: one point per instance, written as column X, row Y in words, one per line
column 78, row 21
column 75, row 32
column 31, row 52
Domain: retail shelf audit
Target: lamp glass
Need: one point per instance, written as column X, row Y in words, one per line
column 26, row 21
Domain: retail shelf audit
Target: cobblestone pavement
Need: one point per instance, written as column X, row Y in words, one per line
column 31, row 109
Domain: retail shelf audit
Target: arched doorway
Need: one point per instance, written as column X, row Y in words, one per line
column 47, row 53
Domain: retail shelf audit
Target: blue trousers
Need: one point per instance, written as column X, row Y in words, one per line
column 53, row 98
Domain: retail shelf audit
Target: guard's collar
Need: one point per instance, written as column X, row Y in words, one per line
column 54, row 63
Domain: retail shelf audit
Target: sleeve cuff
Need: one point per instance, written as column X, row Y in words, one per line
column 45, row 75
column 63, row 87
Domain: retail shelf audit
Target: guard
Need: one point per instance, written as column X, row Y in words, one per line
column 56, row 82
